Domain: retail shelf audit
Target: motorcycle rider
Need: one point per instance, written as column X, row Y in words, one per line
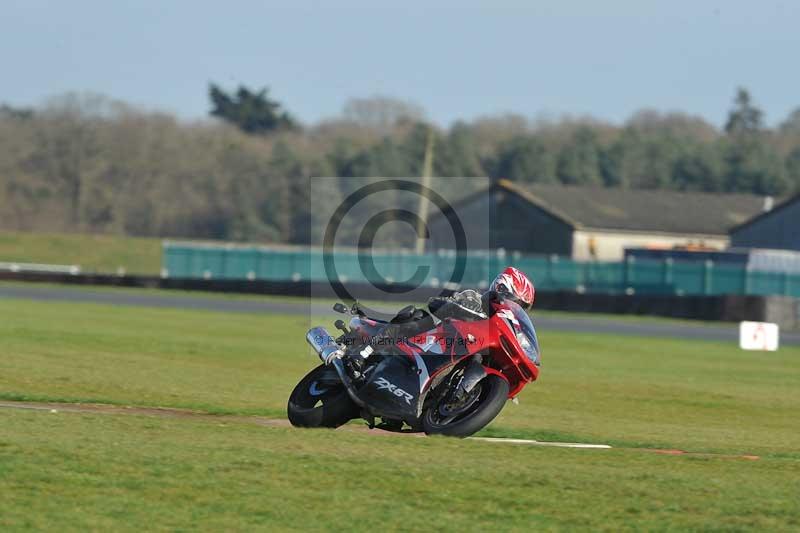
column 468, row 304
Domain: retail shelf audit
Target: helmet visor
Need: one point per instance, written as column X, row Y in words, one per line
column 504, row 291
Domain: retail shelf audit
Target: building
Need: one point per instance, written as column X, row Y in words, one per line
column 777, row 229
column 598, row 223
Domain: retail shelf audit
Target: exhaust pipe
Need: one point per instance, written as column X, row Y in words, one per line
column 324, row 344
column 331, row 354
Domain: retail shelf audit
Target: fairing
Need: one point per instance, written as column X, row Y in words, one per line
column 398, row 385
column 393, row 389
column 524, row 332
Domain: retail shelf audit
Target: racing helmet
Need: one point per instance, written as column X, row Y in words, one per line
column 513, row 284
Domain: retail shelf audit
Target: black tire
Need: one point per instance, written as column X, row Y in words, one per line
column 490, row 401
column 312, row 405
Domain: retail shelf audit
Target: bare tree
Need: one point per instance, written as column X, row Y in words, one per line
column 382, row 113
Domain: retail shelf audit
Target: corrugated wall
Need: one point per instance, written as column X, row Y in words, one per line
column 187, row 260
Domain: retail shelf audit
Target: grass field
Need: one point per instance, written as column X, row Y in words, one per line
column 93, row 253
column 103, row 471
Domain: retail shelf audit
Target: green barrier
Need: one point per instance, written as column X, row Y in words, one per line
column 184, row 260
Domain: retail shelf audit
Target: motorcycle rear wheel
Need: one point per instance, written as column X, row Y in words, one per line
column 314, row 404
column 491, row 394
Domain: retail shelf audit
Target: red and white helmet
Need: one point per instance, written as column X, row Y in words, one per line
column 514, row 284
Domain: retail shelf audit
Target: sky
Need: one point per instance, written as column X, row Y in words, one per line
column 458, row 60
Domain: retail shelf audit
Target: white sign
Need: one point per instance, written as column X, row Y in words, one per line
column 758, row 336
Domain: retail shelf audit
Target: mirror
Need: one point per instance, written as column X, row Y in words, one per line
column 340, row 308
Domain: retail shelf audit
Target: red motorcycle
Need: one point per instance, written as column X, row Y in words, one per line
column 416, row 372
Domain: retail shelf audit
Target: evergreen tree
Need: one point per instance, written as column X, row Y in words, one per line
column 793, row 169
column 752, row 164
column 698, row 168
column 457, row 154
column 579, row 161
column 252, row 112
column 525, row 159
column 744, row 118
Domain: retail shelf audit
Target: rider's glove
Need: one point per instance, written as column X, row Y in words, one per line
column 469, row 299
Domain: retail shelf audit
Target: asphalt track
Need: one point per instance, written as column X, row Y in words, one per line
column 583, row 324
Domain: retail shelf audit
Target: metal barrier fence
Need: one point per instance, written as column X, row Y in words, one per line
column 183, row 260
column 38, row 267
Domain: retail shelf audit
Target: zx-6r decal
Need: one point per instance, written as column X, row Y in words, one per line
column 383, row 384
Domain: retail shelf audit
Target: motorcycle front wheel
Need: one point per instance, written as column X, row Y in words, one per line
column 320, row 400
column 462, row 417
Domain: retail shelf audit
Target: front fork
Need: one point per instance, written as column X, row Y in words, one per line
column 338, row 365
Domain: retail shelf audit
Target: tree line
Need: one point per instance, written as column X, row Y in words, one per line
column 86, row 163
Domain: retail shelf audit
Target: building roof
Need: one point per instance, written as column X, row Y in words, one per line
column 602, row 208
column 765, row 214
